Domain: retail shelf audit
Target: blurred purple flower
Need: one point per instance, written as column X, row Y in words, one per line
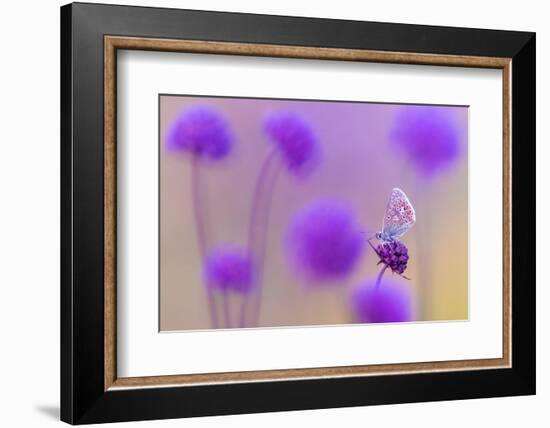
column 296, row 141
column 390, row 301
column 201, row 131
column 394, row 255
column 429, row 137
column 324, row 240
column 229, row 268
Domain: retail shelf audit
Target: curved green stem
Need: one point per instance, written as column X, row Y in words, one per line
column 257, row 232
column 380, row 275
column 200, row 224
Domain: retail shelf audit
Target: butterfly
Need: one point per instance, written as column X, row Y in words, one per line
column 399, row 216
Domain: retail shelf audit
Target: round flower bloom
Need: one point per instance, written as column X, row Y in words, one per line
column 324, row 240
column 201, row 131
column 429, row 137
column 296, row 141
column 390, row 301
column 393, row 254
column 229, row 268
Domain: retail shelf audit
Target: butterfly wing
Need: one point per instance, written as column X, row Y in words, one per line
column 399, row 216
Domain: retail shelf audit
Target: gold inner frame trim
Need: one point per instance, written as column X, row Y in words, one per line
column 113, row 43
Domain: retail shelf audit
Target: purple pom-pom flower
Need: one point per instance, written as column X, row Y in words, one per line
column 428, row 136
column 393, row 254
column 390, row 301
column 324, row 240
column 201, row 131
column 296, row 141
column 229, row 268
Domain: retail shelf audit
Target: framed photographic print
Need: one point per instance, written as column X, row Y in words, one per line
column 265, row 213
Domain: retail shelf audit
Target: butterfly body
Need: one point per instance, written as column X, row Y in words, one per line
column 398, row 218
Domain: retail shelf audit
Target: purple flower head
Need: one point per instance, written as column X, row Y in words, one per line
column 390, row 301
column 428, row 136
column 229, row 268
column 201, row 131
column 393, row 254
column 324, row 240
column 296, row 141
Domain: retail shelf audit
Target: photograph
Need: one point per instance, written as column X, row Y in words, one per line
column 294, row 213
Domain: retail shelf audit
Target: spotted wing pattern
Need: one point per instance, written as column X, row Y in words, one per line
column 400, row 215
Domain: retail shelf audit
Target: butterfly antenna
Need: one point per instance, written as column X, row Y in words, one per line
column 372, row 246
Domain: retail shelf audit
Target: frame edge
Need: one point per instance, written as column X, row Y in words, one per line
column 524, row 215
column 66, row 306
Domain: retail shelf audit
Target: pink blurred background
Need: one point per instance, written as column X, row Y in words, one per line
column 359, row 166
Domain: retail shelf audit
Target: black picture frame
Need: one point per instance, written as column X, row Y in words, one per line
column 83, row 396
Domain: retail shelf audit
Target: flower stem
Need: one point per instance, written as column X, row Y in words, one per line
column 226, row 311
column 200, row 224
column 380, row 275
column 257, row 231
